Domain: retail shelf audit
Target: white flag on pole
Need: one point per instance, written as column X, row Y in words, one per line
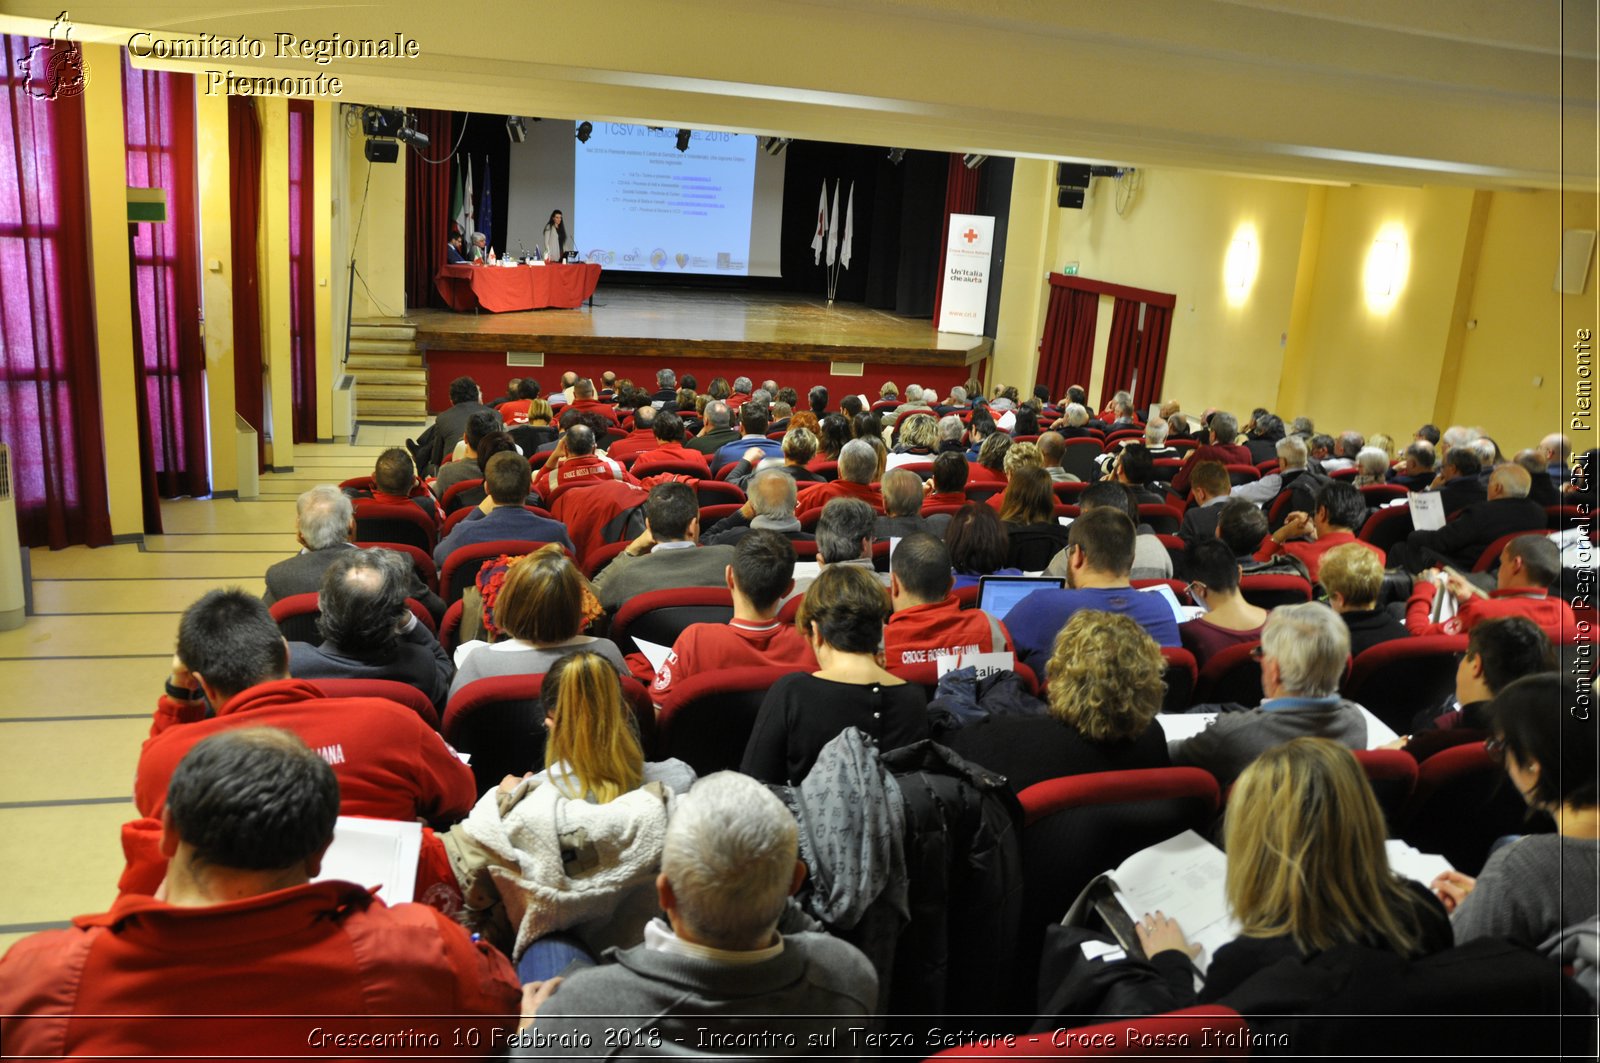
column 833, row 226
column 820, row 238
column 466, row 209
column 849, row 226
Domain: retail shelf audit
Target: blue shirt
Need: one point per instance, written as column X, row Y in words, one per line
column 506, row 522
column 1036, row 620
column 732, row 452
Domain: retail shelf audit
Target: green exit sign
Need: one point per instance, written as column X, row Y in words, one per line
column 1070, row 269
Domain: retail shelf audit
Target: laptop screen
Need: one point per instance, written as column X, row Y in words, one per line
column 998, row 595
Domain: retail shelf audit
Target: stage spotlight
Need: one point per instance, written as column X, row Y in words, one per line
column 972, row 162
column 895, row 155
column 585, row 130
column 683, row 139
column 774, row 145
column 384, row 126
column 515, row 129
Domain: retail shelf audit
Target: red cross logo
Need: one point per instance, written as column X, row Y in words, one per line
column 970, row 235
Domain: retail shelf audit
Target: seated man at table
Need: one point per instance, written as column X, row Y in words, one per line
column 452, row 250
column 501, row 516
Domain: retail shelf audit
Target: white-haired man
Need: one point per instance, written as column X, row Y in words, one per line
column 1302, row 653
column 728, row 866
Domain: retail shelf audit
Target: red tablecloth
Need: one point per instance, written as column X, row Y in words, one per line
column 501, row 288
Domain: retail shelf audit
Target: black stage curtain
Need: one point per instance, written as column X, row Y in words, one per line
column 994, row 198
column 486, row 142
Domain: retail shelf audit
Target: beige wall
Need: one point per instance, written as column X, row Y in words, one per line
column 107, row 162
column 1306, row 336
column 1174, row 236
column 380, row 244
column 1023, row 289
column 1517, row 371
column 277, row 352
column 216, row 250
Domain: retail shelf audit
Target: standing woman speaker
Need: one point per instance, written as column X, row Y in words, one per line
column 556, row 241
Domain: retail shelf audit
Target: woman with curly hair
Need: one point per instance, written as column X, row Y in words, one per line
column 1105, row 690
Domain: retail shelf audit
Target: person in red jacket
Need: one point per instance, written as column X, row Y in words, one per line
column 575, row 464
column 948, row 485
column 667, row 445
column 858, row 463
column 1340, row 512
column 231, row 671
column 585, row 401
column 761, row 575
column 928, row 622
column 241, row 952
column 636, row 442
column 1224, row 428
column 1529, row 565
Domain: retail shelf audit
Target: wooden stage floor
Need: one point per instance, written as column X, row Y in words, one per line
column 657, row 322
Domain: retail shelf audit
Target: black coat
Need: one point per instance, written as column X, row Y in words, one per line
column 1464, row 539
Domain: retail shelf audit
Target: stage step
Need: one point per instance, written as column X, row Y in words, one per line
column 391, row 383
column 383, row 328
column 409, row 411
column 362, row 345
column 385, row 361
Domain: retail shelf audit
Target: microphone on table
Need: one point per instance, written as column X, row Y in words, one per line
column 524, row 248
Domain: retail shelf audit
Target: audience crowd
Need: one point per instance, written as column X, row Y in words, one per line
column 787, row 758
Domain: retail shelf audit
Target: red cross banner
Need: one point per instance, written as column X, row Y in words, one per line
column 966, row 274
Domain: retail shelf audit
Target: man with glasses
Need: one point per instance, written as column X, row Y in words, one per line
column 1302, row 655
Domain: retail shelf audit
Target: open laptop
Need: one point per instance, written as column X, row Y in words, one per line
column 998, row 595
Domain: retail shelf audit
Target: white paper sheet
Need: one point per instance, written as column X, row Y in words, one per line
column 653, row 652
column 1414, row 864
column 375, row 852
column 1427, row 510
column 1183, row 878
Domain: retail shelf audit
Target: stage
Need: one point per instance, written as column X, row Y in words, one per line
column 633, row 332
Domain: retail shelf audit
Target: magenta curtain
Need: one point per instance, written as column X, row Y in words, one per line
column 49, row 361
column 428, row 186
column 960, row 197
column 159, row 123
column 1066, row 353
column 244, row 203
column 302, row 271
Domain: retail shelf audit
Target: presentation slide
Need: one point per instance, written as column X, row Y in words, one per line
column 641, row 204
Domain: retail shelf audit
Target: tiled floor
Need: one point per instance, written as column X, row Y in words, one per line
column 82, row 676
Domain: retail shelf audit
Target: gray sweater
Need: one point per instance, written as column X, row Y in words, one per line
column 688, row 1000
column 628, row 577
column 1234, row 739
column 1531, row 889
column 502, row 659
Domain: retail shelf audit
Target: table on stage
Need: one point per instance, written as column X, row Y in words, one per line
column 502, row 288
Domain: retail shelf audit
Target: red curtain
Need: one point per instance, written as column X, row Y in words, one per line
column 1066, row 354
column 49, row 365
column 960, row 197
column 244, row 176
column 302, row 271
column 169, row 365
column 427, row 209
column 1136, row 355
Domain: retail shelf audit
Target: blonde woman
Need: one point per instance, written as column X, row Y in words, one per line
column 1307, row 871
column 591, row 748
column 1105, row 691
column 559, row 866
column 541, row 610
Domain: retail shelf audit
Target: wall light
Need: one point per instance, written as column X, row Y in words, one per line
column 1240, row 266
column 1388, row 261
